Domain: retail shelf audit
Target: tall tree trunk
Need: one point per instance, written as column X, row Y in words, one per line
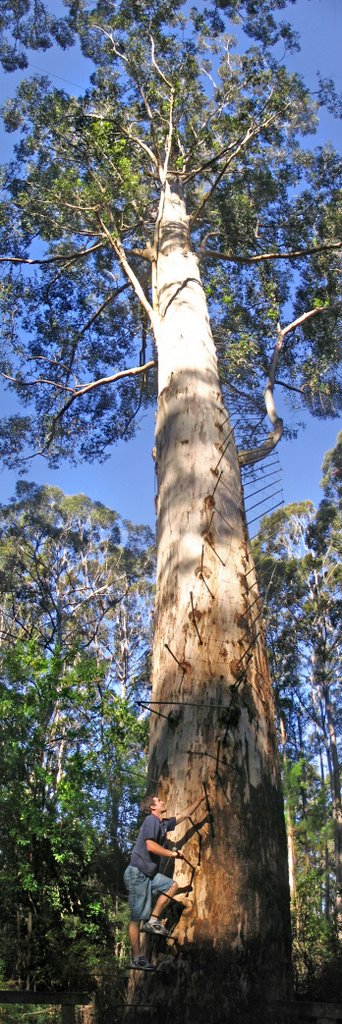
column 210, row 678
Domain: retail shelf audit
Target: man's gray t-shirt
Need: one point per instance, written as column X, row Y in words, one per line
column 154, row 829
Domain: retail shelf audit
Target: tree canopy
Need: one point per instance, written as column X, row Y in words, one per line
column 172, row 95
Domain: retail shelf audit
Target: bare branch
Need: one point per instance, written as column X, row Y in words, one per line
column 291, row 387
column 151, row 119
column 52, row 259
column 82, row 390
column 307, row 316
column 98, row 311
column 146, row 103
column 260, row 257
column 204, row 72
column 32, row 383
column 145, row 254
column 53, row 360
column 253, row 455
column 250, row 134
column 110, row 36
column 257, row 454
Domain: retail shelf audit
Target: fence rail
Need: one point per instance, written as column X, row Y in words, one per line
column 66, row 1000
column 292, row 1013
column 318, row 1013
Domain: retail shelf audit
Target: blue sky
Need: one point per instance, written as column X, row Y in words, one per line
column 126, row 481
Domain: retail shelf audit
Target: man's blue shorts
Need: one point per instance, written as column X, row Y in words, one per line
column 142, row 890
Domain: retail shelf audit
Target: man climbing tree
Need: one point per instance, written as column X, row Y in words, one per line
column 143, row 880
column 174, row 203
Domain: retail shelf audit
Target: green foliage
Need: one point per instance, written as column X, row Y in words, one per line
column 74, row 661
column 24, row 25
column 63, row 835
column 68, row 566
column 313, row 938
column 326, row 530
column 297, row 551
column 88, row 175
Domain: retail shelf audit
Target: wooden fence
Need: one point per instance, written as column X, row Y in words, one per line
column 305, row 1013
column 291, row 1013
column 66, row 1000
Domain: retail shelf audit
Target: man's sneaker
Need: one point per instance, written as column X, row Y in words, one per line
column 155, row 928
column 141, row 964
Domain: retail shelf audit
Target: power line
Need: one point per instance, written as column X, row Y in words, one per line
column 53, row 75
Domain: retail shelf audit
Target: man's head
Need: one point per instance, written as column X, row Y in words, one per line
column 154, row 805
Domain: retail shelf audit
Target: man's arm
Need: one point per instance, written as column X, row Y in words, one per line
column 189, row 811
column 161, row 851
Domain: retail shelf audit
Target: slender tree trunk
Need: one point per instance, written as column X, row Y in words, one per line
column 335, row 784
column 304, row 809
column 290, row 830
column 233, row 935
column 326, row 867
column 327, row 723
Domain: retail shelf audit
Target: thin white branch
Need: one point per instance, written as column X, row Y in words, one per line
column 83, row 389
column 204, row 72
column 128, row 134
column 156, row 66
column 109, row 35
column 169, row 140
column 305, row 316
column 250, row 134
column 39, row 380
column 257, row 454
column 141, row 144
column 129, row 272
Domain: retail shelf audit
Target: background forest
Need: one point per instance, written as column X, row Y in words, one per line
column 76, row 592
